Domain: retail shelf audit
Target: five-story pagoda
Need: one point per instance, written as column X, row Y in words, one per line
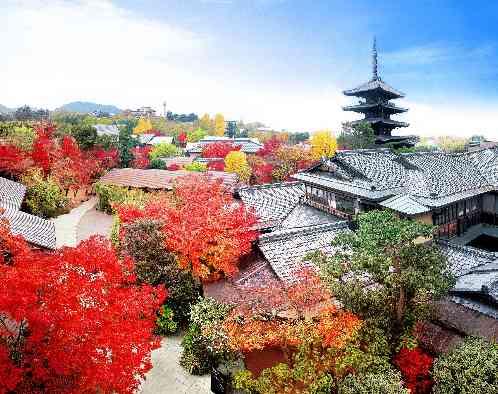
column 375, row 105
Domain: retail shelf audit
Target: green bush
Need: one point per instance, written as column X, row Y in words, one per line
column 85, row 135
column 165, row 321
column 144, row 242
column 204, row 349
column 44, row 197
column 22, row 137
column 196, row 166
column 116, row 224
column 157, row 164
column 373, row 383
column 163, row 150
column 109, row 194
column 471, row 368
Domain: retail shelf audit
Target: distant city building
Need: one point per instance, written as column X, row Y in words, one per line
column 375, row 105
column 477, row 142
column 141, row 112
column 106, row 129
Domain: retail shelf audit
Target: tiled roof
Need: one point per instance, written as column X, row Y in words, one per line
column 272, row 202
column 158, row 179
column 11, row 192
column 304, row 215
column 248, row 145
column 476, row 273
column 161, row 139
column 285, row 249
column 374, row 84
column 404, row 204
column 180, row 160
column 105, row 129
column 431, row 179
column 35, row 230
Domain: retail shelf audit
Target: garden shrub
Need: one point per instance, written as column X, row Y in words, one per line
column 470, row 368
column 144, row 242
column 203, row 345
column 85, row 135
column 157, row 164
column 109, row 194
column 22, row 137
column 165, row 321
column 373, row 383
column 44, row 197
column 163, row 150
column 195, row 166
column 415, row 366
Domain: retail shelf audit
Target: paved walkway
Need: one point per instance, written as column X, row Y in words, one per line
column 94, row 222
column 66, row 225
column 168, row 377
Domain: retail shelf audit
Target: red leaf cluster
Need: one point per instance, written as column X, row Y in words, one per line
column 173, row 167
column 73, row 321
column 270, row 147
column 219, row 150
column 204, row 226
column 216, row 165
column 141, row 156
column 13, row 161
column 182, row 138
column 415, row 366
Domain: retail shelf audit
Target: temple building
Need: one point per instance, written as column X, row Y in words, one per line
column 457, row 193
column 374, row 103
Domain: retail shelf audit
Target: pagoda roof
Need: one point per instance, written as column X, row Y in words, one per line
column 385, row 121
column 362, row 107
column 372, row 86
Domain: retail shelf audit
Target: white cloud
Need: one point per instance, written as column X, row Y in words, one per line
column 60, row 51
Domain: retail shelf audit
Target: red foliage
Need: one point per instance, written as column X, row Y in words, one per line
column 216, row 165
column 270, row 147
column 203, row 225
column 12, row 160
column 415, row 366
column 141, row 156
column 182, row 138
column 106, row 158
column 44, row 150
column 173, row 167
column 73, row 321
column 262, row 173
column 218, row 150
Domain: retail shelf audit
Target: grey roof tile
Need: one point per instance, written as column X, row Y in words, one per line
column 285, row 249
column 272, row 202
column 404, row 204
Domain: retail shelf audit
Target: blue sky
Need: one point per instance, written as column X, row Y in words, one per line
column 279, row 61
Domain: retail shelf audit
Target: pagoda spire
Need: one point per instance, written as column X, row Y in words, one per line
column 375, row 74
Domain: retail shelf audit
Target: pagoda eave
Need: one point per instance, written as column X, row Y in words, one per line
column 362, row 108
column 382, row 122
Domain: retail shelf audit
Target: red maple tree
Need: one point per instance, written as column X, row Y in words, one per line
column 203, row 224
column 73, row 321
column 219, row 150
column 415, row 366
column 13, row 161
column 141, row 156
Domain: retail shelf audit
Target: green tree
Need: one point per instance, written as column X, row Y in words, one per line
column 472, row 367
column 360, row 136
column 126, row 142
column 387, row 272
column 163, row 150
column 85, row 136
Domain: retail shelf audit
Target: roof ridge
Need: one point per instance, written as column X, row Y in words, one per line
column 306, row 230
column 271, row 185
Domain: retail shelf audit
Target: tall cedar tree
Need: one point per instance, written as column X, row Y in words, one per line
column 72, row 321
column 387, row 272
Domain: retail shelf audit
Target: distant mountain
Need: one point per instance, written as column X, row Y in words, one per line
column 87, row 107
column 5, row 110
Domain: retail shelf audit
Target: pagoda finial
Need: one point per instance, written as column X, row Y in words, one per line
column 375, row 75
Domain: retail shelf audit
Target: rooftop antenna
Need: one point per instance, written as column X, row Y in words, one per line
column 375, row 76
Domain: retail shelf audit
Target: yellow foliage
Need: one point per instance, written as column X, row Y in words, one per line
column 323, row 144
column 143, row 126
column 236, row 162
column 205, row 122
column 219, row 125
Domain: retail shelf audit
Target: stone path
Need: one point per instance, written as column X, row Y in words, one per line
column 94, row 222
column 66, row 225
column 168, row 377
